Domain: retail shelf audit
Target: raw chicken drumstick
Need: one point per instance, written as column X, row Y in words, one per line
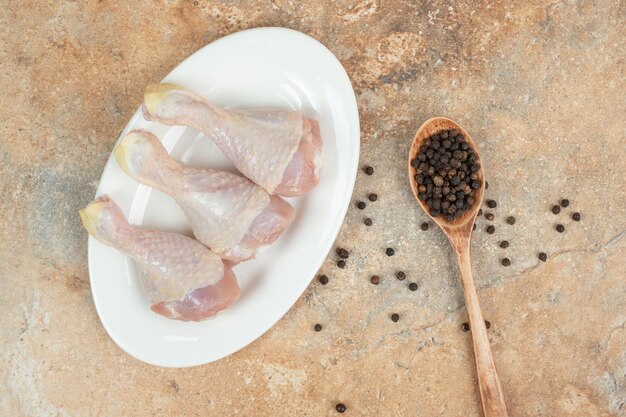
column 183, row 278
column 227, row 212
column 278, row 149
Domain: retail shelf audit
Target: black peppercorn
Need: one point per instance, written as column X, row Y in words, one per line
column 474, row 226
column 360, row 205
column 400, row 275
column 341, row 408
column 372, row 197
column 490, row 229
column 504, row 244
column 565, row 202
column 488, row 324
column 560, row 228
column 465, row 326
column 390, row 252
column 506, row 262
column 489, row 216
column 323, row 279
column 576, row 217
column 375, row 279
column 367, row 221
column 492, row 203
column 424, row 226
column 413, row 286
column 318, row 327
column 486, row 185
column 556, row 209
column 480, row 212
column 368, row 170
column 510, row 220
column 395, row 317
column 341, row 263
column 542, row 256
column 342, row 253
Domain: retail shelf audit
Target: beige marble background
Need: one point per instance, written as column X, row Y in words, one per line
column 539, row 84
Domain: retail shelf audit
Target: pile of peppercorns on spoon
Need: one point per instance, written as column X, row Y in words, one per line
column 447, row 174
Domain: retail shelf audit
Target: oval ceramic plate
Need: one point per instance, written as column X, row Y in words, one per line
column 266, row 67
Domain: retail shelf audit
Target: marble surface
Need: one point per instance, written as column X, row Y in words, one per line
column 539, row 85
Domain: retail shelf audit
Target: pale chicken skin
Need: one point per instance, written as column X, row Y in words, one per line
column 183, row 278
column 280, row 150
column 227, row 212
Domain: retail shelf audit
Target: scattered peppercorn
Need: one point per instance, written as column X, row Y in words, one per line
column 341, row 263
column 424, row 226
column 318, row 327
column 400, row 275
column 556, row 209
column 465, row 326
column 504, row 244
column 492, row 203
column 474, row 227
column 341, row 408
column 390, row 252
column 360, row 205
column 576, row 217
column 447, row 174
column 506, row 262
column 368, row 170
column 413, row 286
column 372, row 197
column 490, row 229
column 560, row 228
column 480, row 212
column 375, row 279
column 488, row 324
column 343, row 254
column 510, row 220
column 542, row 256
column 367, row 221
column 565, row 202
column 486, row 185
column 395, row 317
column 323, row 279
column 489, row 216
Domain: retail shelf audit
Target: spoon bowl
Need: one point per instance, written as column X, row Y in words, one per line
column 431, row 126
column 459, row 233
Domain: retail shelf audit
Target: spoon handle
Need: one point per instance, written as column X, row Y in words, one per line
column 488, row 381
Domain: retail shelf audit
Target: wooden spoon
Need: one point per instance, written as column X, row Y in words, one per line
column 459, row 233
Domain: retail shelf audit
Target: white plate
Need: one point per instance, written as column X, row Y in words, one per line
column 258, row 67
